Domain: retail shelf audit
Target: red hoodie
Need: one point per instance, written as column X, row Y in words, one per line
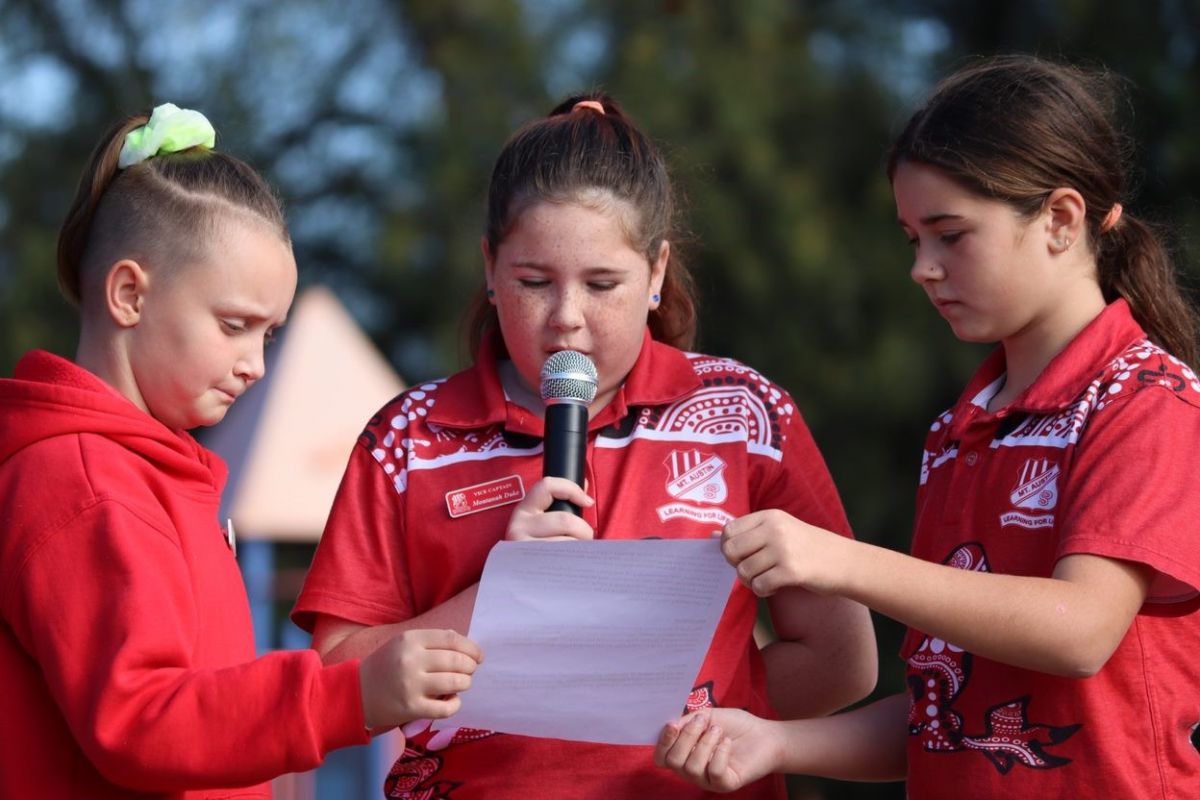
column 126, row 650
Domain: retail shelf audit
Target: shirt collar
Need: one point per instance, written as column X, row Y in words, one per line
column 474, row 398
column 1058, row 386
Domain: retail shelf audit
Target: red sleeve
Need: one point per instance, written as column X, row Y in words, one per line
column 1132, row 492
column 799, row 482
column 358, row 572
column 105, row 606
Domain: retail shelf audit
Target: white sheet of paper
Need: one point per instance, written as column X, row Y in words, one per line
column 596, row 641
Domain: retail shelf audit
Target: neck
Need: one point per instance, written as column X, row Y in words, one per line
column 1030, row 350
column 102, row 354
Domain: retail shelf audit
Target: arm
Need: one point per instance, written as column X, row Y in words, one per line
column 117, row 654
column 724, row 749
column 825, row 657
column 339, row 640
column 1068, row 624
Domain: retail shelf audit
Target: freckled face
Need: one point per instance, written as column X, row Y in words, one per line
column 983, row 266
column 567, row 278
column 199, row 342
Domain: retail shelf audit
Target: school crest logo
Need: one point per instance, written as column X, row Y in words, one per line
column 1036, row 490
column 694, row 476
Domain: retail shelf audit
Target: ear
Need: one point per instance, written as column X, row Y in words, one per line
column 1066, row 215
column 489, row 266
column 125, row 292
column 658, row 272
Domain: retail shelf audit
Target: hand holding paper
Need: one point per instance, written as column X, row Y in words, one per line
column 596, row 641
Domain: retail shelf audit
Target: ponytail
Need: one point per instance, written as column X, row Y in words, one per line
column 1133, row 264
column 77, row 227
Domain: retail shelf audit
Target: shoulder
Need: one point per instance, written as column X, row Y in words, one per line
column 1141, row 368
column 75, row 470
column 407, row 410
column 68, row 483
column 732, row 398
column 726, row 376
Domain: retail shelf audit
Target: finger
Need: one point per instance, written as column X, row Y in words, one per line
column 445, row 639
column 439, row 707
column 768, row 583
column 718, row 765
column 460, row 655
column 746, row 539
column 548, row 490
column 696, row 766
column 572, row 526
column 670, row 733
column 449, row 661
column 442, row 684
column 555, row 524
column 754, row 565
column 677, row 755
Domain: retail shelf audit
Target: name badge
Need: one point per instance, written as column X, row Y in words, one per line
column 482, row 496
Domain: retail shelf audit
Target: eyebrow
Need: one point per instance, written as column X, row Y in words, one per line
column 933, row 219
column 589, row 271
column 251, row 315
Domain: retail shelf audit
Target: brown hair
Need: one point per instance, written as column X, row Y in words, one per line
column 1014, row 129
column 562, row 157
column 163, row 209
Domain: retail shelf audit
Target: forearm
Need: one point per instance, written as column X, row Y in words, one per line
column 825, row 658
column 170, row 729
column 866, row 744
column 1053, row 625
column 454, row 614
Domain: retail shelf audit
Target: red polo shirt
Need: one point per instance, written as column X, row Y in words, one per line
column 689, row 442
column 1097, row 456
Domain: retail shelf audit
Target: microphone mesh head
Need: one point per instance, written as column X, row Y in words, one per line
column 568, row 376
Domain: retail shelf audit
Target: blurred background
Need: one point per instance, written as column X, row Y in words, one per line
column 379, row 121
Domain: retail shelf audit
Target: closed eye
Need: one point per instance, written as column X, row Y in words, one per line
column 233, row 326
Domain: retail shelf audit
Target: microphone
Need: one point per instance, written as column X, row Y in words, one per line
column 568, row 388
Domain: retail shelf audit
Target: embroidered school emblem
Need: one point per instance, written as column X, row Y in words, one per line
column 694, row 476
column 1037, row 490
column 482, row 496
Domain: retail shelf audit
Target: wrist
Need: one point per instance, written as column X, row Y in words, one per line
column 781, row 746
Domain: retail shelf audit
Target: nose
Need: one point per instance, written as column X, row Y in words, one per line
column 925, row 268
column 567, row 313
column 252, row 364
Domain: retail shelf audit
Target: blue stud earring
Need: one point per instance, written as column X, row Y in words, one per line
column 655, row 297
column 491, row 293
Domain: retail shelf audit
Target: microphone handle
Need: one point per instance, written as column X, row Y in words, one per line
column 565, row 447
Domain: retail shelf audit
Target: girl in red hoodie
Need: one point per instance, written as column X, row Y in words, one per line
column 126, row 649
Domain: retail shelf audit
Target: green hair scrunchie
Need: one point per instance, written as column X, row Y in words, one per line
column 169, row 130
